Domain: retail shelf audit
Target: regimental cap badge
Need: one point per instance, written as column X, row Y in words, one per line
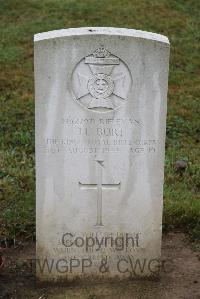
column 101, row 81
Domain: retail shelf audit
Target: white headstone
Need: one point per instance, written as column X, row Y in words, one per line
column 100, row 138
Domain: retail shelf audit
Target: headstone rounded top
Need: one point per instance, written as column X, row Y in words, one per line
column 100, row 30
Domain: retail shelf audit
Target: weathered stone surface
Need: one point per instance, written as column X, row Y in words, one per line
column 100, row 137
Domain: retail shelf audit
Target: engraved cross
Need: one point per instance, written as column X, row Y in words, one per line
column 99, row 187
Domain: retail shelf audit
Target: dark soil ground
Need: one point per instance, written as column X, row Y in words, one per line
column 180, row 279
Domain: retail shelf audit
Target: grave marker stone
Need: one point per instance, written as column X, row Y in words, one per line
column 100, row 136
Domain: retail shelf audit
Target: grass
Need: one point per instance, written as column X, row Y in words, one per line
column 19, row 20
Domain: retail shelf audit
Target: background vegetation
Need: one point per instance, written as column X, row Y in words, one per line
column 19, row 20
